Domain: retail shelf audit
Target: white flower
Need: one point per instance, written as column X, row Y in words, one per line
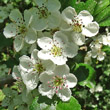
column 20, row 29
column 47, row 14
column 106, row 39
column 96, row 48
column 57, row 82
column 81, row 25
column 32, row 67
column 57, row 49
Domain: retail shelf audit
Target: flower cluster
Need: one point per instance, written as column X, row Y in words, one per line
column 58, row 35
column 96, row 48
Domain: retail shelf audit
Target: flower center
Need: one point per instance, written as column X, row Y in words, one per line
column 56, row 51
column 22, row 29
column 77, row 28
column 58, row 81
column 77, row 25
column 43, row 12
column 39, row 68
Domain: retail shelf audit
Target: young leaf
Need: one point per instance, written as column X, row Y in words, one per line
column 71, row 105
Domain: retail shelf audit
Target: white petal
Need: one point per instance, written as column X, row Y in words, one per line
column 45, row 55
column 48, row 65
column 10, row 30
column 39, row 24
column 44, row 90
column 54, row 20
column 16, row 16
column 53, row 5
column 28, row 16
column 71, row 50
column 30, row 80
column 61, row 70
column 34, row 56
column 59, row 60
column 64, row 94
column 101, row 56
column 18, row 43
column 32, row 47
column 65, row 26
column 31, row 36
column 16, row 73
column 71, row 80
column 85, row 16
column 94, row 53
column 68, row 14
column 78, row 38
column 91, row 29
column 26, row 63
column 39, row 2
column 60, row 39
column 46, row 76
column 45, row 43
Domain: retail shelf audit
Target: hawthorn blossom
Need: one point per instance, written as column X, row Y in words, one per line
column 57, row 82
column 20, row 28
column 47, row 14
column 106, row 39
column 32, row 67
column 80, row 25
column 56, row 49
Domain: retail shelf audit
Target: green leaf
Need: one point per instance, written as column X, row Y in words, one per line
column 1, row 95
column 5, row 42
column 102, row 4
column 79, row 6
column 42, row 103
column 103, row 15
column 85, row 75
column 71, row 105
column 106, row 48
column 90, row 5
column 35, row 105
column 105, row 22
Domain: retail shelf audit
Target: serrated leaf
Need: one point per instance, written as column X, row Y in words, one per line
column 103, row 14
column 85, row 75
column 105, row 22
column 71, row 105
column 90, row 5
column 101, row 4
